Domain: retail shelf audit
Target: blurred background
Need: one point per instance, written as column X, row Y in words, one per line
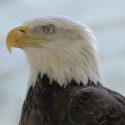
column 105, row 17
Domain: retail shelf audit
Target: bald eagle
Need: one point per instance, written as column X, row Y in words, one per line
column 65, row 87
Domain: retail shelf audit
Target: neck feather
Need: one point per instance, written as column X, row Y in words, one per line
column 76, row 61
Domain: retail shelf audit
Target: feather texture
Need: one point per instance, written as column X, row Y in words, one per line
column 92, row 104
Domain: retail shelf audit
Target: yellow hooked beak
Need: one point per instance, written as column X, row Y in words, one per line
column 16, row 37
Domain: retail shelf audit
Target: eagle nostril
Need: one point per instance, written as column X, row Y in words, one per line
column 23, row 31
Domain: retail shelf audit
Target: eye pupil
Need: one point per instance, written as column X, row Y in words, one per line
column 48, row 29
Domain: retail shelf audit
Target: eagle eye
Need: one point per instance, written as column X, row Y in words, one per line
column 48, row 29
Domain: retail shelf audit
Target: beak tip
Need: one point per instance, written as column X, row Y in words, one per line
column 9, row 49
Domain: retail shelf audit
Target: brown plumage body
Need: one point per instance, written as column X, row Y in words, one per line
column 50, row 104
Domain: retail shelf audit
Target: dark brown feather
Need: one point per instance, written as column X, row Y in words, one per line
column 50, row 104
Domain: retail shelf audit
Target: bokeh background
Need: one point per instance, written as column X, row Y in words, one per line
column 105, row 17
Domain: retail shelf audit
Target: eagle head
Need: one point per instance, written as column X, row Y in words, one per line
column 59, row 47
